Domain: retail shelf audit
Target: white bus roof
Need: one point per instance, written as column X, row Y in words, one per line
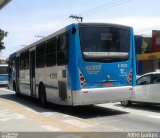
column 62, row 31
column 3, row 65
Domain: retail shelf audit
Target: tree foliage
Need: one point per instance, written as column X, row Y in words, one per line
column 2, row 35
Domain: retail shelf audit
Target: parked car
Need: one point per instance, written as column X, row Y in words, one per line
column 147, row 89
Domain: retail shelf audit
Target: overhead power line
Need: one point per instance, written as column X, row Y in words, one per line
column 105, row 6
column 110, row 4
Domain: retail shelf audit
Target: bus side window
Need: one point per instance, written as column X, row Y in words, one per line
column 26, row 60
column 51, row 52
column 22, row 61
column 40, row 56
column 62, row 50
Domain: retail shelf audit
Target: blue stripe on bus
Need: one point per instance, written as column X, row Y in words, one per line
column 49, row 86
column 3, row 77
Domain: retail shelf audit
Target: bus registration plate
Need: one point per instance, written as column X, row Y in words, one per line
column 108, row 84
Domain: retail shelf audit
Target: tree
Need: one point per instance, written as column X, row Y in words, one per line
column 2, row 35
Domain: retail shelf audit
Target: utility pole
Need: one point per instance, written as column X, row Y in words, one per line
column 77, row 18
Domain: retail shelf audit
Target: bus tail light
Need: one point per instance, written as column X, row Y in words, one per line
column 130, row 77
column 82, row 79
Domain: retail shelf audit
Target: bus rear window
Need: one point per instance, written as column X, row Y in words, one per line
column 105, row 43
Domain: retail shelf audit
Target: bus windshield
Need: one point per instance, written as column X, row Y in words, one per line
column 3, row 70
column 106, row 44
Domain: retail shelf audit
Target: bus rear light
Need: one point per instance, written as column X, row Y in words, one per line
column 82, row 79
column 130, row 77
column 131, row 89
column 82, row 84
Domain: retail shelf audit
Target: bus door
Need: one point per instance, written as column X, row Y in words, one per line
column 32, row 73
column 17, row 74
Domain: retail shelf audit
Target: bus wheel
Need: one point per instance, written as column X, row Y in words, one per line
column 42, row 95
column 126, row 103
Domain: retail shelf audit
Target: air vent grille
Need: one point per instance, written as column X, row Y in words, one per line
column 62, row 90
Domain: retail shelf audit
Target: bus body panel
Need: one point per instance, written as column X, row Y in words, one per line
column 53, row 81
column 50, row 82
column 24, row 82
column 100, row 75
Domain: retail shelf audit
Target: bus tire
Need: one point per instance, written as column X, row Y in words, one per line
column 126, row 103
column 42, row 95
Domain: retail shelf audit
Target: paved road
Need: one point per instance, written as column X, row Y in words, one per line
column 23, row 114
column 137, row 118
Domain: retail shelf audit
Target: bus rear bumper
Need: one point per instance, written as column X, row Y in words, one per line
column 101, row 95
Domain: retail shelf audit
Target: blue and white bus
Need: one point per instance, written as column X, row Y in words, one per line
column 81, row 64
column 3, row 75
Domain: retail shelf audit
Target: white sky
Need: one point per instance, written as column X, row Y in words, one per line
column 24, row 19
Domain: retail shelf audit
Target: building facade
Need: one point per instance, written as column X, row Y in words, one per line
column 148, row 53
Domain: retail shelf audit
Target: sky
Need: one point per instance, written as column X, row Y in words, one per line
column 25, row 19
